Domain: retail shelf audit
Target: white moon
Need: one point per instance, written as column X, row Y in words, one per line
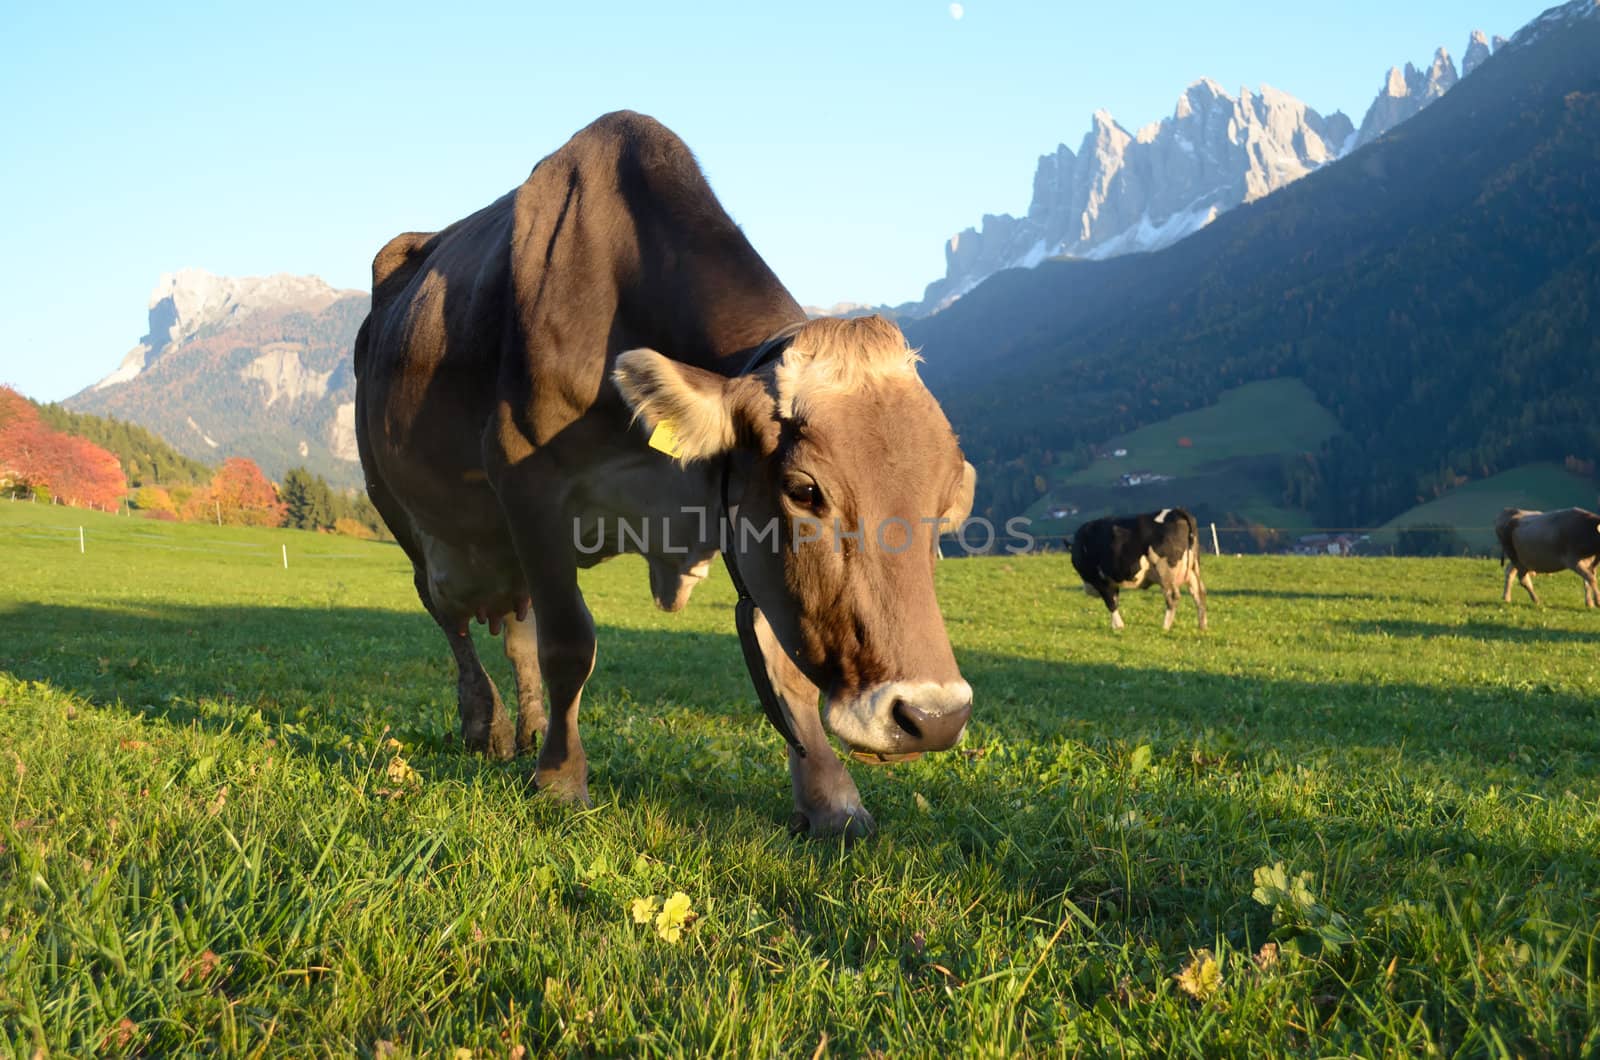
column 956, row 11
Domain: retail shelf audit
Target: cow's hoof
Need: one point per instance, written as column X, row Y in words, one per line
column 852, row 824
column 493, row 739
column 502, row 743
column 564, row 787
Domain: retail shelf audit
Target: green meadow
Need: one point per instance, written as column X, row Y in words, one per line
column 1359, row 816
column 1473, row 507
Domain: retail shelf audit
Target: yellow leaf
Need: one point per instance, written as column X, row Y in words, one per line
column 644, row 909
column 675, row 913
column 399, row 771
column 1202, row 977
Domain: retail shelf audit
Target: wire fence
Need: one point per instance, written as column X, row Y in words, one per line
column 1017, row 538
column 85, row 537
column 1431, row 539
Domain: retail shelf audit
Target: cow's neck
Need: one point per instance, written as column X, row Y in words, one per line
column 712, row 305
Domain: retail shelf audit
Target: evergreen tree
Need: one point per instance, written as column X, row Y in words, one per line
column 308, row 500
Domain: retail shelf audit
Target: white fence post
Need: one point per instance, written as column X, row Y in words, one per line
column 285, row 557
column 80, row 540
column 1215, row 549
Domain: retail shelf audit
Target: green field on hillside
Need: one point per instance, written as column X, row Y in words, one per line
column 1360, row 815
column 1472, row 508
column 1232, row 464
column 1273, row 418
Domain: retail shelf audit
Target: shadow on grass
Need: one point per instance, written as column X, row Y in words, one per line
column 1473, row 630
column 1290, row 594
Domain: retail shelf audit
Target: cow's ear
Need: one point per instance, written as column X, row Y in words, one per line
column 961, row 504
column 692, row 414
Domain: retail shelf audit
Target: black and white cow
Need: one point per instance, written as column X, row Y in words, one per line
column 1137, row 551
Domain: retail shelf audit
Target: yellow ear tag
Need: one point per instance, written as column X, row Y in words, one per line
column 665, row 439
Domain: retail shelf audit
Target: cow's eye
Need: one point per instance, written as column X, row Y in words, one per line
column 803, row 493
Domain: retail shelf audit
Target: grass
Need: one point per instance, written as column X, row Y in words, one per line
column 1473, row 507
column 207, row 844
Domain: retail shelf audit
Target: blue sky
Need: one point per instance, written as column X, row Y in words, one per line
column 849, row 139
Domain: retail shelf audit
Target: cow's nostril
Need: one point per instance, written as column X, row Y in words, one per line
column 909, row 718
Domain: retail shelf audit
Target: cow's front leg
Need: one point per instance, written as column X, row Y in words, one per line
column 826, row 802
column 1591, row 592
column 565, row 629
column 566, row 659
column 1108, row 593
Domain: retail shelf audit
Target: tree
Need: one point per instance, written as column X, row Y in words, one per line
column 1429, row 539
column 240, row 495
column 350, row 528
column 154, row 499
column 308, row 501
column 36, row 458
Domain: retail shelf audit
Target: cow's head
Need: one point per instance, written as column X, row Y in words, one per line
column 847, row 466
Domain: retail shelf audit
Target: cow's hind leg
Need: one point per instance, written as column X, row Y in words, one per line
column 484, row 721
column 522, row 650
column 1527, row 583
column 485, row 726
column 1197, row 589
column 826, row 802
column 1511, row 578
column 1172, row 589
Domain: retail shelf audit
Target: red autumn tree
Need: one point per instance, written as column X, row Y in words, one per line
column 35, row 456
column 240, row 494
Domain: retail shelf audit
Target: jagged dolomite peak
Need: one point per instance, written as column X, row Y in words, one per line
column 1125, row 191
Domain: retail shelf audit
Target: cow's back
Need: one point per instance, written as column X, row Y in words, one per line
column 1123, row 550
column 1544, row 542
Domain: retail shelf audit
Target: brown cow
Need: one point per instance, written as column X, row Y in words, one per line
column 1544, row 542
column 509, row 379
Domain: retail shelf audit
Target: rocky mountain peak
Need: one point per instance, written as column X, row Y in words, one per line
column 1122, row 191
column 1441, row 75
column 254, row 363
column 1477, row 51
column 189, row 301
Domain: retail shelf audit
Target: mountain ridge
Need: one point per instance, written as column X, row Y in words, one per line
column 1433, row 288
column 1125, row 192
column 244, row 366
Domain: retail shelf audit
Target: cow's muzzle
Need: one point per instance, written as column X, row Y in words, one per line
column 901, row 720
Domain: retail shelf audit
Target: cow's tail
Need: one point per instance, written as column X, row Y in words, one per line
column 1194, row 541
column 1504, row 526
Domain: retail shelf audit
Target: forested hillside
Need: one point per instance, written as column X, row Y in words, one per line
column 146, row 458
column 1438, row 290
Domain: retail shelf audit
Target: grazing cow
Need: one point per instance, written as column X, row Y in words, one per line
column 1137, row 551
column 1545, row 542
column 599, row 362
